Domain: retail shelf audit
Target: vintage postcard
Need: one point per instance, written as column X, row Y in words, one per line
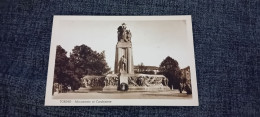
column 121, row 61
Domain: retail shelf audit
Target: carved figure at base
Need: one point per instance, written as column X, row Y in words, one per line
column 165, row 81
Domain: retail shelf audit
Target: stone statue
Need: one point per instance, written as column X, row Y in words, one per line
column 123, row 34
column 166, row 81
column 106, row 81
column 129, row 35
column 116, row 80
column 123, row 63
column 132, row 81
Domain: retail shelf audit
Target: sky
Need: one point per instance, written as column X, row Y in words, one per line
column 152, row 41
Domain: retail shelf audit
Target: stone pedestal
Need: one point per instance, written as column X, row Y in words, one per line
column 124, row 49
column 123, row 78
column 124, row 65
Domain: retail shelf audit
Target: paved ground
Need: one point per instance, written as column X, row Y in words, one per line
column 123, row 95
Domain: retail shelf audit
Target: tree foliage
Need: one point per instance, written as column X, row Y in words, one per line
column 63, row 73
column 85, row 61
column 82, row 61
column 170, row 69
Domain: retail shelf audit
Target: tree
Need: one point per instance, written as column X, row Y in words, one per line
column 63, row 73
column 60, row 65
column 170, row 69
column 85, row 61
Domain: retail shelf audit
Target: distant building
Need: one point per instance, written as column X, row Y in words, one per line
column 146, row 69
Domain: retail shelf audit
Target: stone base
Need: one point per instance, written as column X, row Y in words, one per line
column 150, row 88
column 123, row 78
column 138, row 88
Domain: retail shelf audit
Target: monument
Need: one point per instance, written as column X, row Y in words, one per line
column 124, row 77
column 124, row 55
column 124, row 66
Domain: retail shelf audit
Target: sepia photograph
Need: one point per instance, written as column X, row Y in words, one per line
column 122, row 61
